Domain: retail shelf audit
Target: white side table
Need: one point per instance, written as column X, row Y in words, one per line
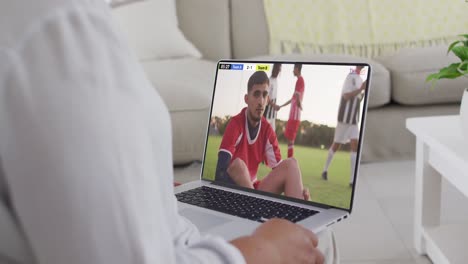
column 440, row 152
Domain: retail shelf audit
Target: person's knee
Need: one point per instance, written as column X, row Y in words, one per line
column 290, row 163
column 236, row 165
column 292, row 166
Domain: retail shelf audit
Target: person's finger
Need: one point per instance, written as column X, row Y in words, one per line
column 314, row 239
column 311, row 236
column 312, row 256
column 306, row 193
column 318, row 256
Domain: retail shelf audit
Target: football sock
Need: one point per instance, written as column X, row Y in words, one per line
column 290, row 151
column 329, row 159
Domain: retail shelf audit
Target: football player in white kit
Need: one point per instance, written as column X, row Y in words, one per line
column 271, row 108
column 348, row 118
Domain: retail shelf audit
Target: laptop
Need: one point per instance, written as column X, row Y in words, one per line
column 269, row 150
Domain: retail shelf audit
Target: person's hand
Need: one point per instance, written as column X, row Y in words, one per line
column 279, row 241
column 291, row 242
column 306, row 193
column 277, row 107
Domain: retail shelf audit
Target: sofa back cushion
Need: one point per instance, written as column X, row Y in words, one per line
column 152, row 31
column 206, row 23
column 409, row 68
column 250, row 35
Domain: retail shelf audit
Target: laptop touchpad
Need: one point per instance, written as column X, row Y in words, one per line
column 204, row 221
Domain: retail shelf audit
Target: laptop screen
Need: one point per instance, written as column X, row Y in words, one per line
column 286, row 128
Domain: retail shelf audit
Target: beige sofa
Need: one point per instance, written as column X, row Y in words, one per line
column 398, row 89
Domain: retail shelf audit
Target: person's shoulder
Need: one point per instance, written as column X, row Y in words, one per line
column 240, row 115
column 300, row 84
column 351, row 77
column 300, row 80
column 238, row 119
column 28, row 27
column 357, row 77
column 19, row 19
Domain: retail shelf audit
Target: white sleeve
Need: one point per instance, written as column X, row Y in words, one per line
column 194, row 248
column 86, row 150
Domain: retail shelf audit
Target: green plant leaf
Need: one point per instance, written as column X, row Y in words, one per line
column 449, row 72
column 454, row 70
column 432, row 77
column 461, row 52
column 463, row 68
column 453, row 45
column 465, row 42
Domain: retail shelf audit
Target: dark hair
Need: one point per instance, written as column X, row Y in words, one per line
column 298, row 66
column 258, row 77
column 276, row 70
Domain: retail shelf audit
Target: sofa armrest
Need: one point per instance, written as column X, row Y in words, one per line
column 206, row 23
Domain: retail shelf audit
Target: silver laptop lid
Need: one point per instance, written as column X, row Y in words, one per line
column 274, row 127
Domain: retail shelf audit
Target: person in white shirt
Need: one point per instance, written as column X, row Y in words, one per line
column 348, row 117
column 270, row 110
column 85, row 150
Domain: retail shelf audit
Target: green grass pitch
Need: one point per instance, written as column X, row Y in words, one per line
column 335, row 191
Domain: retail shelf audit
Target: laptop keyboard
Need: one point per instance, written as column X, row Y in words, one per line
column 244, row 206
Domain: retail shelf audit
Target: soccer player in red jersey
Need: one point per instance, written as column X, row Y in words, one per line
column 296, row 108
column 248, row 140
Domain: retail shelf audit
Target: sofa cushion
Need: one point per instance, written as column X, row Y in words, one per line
column 409, row 68
column 207, row 25
column 379, row 93
column 249, row 29
column 186, row 86
column 152, row 30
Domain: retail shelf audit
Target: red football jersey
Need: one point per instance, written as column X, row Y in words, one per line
column 238, row 143
column 295, row 112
